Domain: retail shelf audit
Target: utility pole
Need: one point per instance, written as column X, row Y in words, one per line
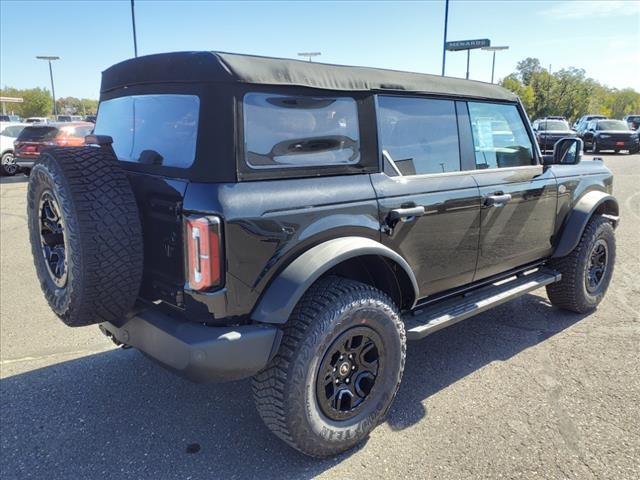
column 310, row 55
column 53, row 91
column 493, row 64
column 549, row 91
column 444, row 43
column 133, row 23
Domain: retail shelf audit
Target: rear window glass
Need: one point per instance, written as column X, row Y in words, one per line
column 300, row 131
column 37, row 134
column 152, row 129
column 12, row 131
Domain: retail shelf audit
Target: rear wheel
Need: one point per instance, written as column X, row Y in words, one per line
column 587, row 270
column 338, row 368
column 9, row 167
column 85, row 234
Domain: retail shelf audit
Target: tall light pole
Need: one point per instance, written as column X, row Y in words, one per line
column 493, row 64
column 133, row 23
column 444, row 42
column 310, row 55
column 53, row 91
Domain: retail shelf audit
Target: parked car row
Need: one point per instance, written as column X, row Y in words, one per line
column 21, row 143
column 596, row 131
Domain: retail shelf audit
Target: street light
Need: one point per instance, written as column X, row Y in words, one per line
column 493, row 64
column 310, row 54
column 53, row 92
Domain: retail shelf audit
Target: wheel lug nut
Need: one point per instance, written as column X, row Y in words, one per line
column 335, row 369
column 337, row 382
column 353, row 367
column 347, row 380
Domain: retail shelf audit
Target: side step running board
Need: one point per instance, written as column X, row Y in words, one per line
column 423, row 322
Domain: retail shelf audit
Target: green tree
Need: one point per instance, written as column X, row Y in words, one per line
column 36, row 101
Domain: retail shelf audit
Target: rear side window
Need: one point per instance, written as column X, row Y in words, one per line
column 12, row 131
column 499, row 136
column 152, row 129
column 37, row 134
column 300, row 131
column 418, row 135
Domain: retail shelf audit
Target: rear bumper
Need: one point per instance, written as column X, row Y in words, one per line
column 611, row 144
column 197, row 352
column 25, row 162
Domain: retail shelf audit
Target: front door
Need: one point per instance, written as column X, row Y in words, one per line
column 429, row 207
column 519, row 196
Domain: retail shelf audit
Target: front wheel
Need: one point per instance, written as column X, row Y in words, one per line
column 587, row 270
column 9, row 167
column 338, row 368
column 594, row 146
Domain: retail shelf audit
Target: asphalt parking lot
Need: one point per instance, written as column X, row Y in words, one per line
column 523, row 391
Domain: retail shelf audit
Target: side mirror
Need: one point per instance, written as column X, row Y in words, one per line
column 567, row 151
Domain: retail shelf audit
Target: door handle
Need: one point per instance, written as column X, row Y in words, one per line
column 404, row 214
column 497, row 200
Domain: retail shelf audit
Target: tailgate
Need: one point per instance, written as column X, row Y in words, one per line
column 160, row 204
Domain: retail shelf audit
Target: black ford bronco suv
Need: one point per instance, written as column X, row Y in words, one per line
column 238, row 216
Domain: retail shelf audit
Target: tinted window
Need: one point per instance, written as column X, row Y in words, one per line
column 499, row 136
column 612, row 125
column 153, row 129
column 37, row 134
column 418, row 135
column 553, row 125
column 300, row 131
column 12, row 131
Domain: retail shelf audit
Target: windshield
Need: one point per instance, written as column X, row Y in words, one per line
column 553, row 125
column 612, row 125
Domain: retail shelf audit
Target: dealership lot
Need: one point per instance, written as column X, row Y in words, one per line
column 523, row 391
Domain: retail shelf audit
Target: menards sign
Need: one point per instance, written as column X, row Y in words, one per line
column 468, row 44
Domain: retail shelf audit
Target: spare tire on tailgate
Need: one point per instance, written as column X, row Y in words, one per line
column 86, row 235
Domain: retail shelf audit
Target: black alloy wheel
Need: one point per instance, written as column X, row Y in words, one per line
column 348, row 372
column 52, row 238
column 597, row 265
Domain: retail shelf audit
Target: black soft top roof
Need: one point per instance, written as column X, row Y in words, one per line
column 204, row 67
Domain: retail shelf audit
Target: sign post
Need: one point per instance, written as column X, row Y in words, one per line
column 467, row 45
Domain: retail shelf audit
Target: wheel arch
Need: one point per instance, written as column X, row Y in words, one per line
column 357, row 258
column 590, row 204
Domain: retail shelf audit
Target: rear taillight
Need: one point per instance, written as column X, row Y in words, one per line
column 204, row 240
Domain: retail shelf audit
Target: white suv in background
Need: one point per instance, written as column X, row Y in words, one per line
column 8, row 133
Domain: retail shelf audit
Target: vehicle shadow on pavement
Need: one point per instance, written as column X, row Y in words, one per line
column 117, row 414
column 19, row 178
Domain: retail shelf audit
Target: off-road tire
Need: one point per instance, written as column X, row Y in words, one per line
column 102, row 234
column 571, row 293
column 285, row 392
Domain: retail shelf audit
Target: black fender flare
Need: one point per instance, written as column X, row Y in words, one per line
column 580, row 215
column 284, row 292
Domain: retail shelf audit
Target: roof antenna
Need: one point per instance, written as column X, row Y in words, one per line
column 133, row 22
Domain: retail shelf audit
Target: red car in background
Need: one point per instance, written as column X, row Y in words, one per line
column 33, row 139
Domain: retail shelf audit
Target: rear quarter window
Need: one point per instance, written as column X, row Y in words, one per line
column 299, row 131
column 152, row 129
column 37, row 134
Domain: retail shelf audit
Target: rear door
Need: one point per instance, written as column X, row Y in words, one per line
column 519, row 196
column 429, row 205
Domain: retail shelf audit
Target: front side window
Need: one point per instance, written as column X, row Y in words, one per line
column 500, row 138
column 300, row 131
column 418, row 135
column 151, row 129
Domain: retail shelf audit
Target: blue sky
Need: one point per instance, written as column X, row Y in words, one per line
column 603, row 37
